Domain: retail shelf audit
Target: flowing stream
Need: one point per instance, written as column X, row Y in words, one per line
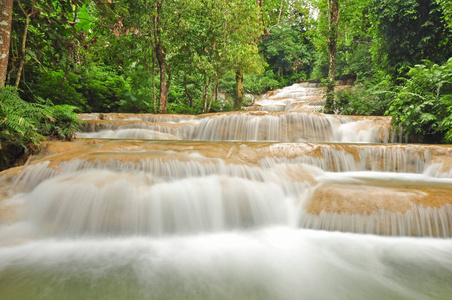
column 276, row 202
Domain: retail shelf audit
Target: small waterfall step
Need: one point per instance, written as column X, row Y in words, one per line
column 242, row 126
column 299, row 97
column 166, row 187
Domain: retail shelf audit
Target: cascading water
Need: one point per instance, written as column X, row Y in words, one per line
column 229, row 206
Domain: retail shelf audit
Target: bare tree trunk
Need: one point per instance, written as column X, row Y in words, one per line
column 333, row 22
column 153, row 83
column 161, row 59
column 163, row 87
column 24, row 38
column 6, row 12
column 239, row 89
column 187, row 91
column 205, row 92
column 215, row 87
column 204, row 95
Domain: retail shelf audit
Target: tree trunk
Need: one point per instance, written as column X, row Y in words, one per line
column 24, row 38
column 153, row 83
column 163, row 87
column 161, row 59
column 333, row 21
column 215, row 87
column 6, row 12
column 187, row 91
column 239, row 89
column 265, row 33
column 205, row 92
column 204, row 96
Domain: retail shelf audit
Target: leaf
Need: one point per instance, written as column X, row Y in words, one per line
column 427, row 117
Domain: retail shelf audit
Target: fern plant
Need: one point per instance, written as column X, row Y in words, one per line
column 423, row 104
column 19, row 119
column 61, row 122
column 22, row 122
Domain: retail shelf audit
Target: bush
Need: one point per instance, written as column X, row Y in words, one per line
column 62, row 123
column 47, row 85
column 19, row 120
column 93, row 88
column 103, row 89
column 423, row 104
column 367, row 99
column 22, row 122
column 227, row 82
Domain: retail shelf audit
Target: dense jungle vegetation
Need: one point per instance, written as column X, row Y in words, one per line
column 62, row 57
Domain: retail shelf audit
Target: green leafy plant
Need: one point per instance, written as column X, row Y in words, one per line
column 22, row 122
column 62, row 122
column 367, row 99
column 423, row 104
column 19, row 120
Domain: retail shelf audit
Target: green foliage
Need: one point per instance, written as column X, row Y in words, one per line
column 227, row 82
column 288, row 50
column 259, row 84
column 103, row 89
column 269, row 81
column 53, row 38
column 47, row 84
column 62, row 122
column 256, row 84
column 135, row 103
column 408, row 31
column 139, row 98
column 18, row 119
column 361, row 64
column 320, row 69
column 447, row 9
column 95, row 88
column 22, row 123
column 182, row 107
column 353, row 39
column 367, row 99
column 423, row 104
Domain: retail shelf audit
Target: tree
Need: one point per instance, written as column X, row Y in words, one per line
column 6, row 12
column 408, row 31
column 28, row 13
column 161, row 22
column 160, row 53
column 288, row 50
column 263, row 18
column 217, row 36
column 46, row 33
column 333, row 22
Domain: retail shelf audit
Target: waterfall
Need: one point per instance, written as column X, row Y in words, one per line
column 247, row 126
column 276, row 202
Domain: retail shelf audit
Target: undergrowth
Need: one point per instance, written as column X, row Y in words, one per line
column 421, row 103
column 23, row 123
